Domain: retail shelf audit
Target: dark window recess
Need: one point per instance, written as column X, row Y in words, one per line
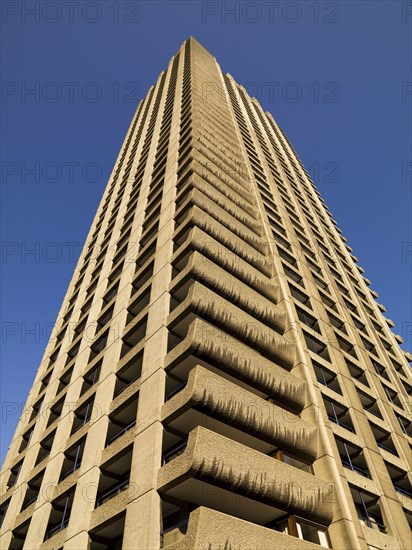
column 338, row 414
column 369, row 403
column 14, row 474
column 45, row 447
column 26, row 439
column 122, row 419
column 64, row 380
column 114, row 476
column 133, row 336
column 316, row 346
column 369, row 512
column 56, row 411
column 98, row 346
column 380, row 369
column 3, row 510
column 326, row 377
column 60, row 514
column 399, row 480
column 82, row 415
column 405, row 424
column 300, row 296
column 346, row 346
column 33, row 490
column 383, row 439
column 392, row 396
column 308, row 319
column 91, row 377
column 72, row 459
column 352, row 457
column 128, row 374
column 357, row 372
column 19, row 536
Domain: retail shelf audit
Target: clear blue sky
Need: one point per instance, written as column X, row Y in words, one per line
column 334, row 75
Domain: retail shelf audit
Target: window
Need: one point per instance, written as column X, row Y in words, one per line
column 45, row 447
column 369, row 403
column 302, row 529
column 352, row 457
column 14, row 474
column 122, row 419
column 3, row 510
column 383, row 439
column 399, row 479
column 91, row 377
column 316, row 346
column 72, row 459
column 338, row 414
column 300, row 296
column 357, row 372
column 346, row 346
column 308, row 319
column 33, row 490
column 367, row 506
column 114, row 476
column 60, row 514
column 392, row 396
column 326, row 377
column 82, row 415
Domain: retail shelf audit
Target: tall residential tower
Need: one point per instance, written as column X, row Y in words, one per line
column 220, row 375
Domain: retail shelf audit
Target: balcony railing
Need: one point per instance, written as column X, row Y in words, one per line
column 119, row 434
column 110, row 493
column 184, row 523
column 176, row 390
column 173, row 452
column 57, row 528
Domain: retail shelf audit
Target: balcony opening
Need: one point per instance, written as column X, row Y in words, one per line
column 64, row 380
column 145, row 254
column 19, row 536
column 134, row 335
column 108, row 535
column 114, row 476
column 352, row 457
column 346, row 346
column 33, row 490
column 287, row 458
column 122, row 419
column 175, row 519
column 35, row 409
column 128, row 374
column 56, row 411
column 26, row 439
column 326, row 377
column 302, row 529
column 316, row 346
column 308, row 319
column 405, row 424
column 174, row 385
column 380, row 369
column 337, row 322
column 357, row 372
column 400, row 480
column 72, row 459
column 338, row 414
column 60, row 513
column 72, row 353
column 140, row 300
column 3, row 510
column 392, row 396
column 369, row 403
column 300, row 296
column 45, row 447
column 174, row 444
column 82, row 415
column 14, row 474
column 368, row 509
column 91, row 377
column 383, row 439
column 98, row 346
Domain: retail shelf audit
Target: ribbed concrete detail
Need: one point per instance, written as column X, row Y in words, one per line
column 213, row 395
column 215, row 459
column 205, row 341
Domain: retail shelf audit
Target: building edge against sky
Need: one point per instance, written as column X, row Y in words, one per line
column 220, row 374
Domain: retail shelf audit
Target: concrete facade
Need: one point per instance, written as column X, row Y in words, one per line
column 220, row 375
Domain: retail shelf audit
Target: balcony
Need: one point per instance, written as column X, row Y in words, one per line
column 200, row 241
column 205, row 303
column 214, row 469
column 205, row 344
column 214, row 402
column 225, row 236
column 208, row 528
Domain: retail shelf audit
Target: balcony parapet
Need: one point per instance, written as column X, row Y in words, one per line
column 222, row 313
column 221, row 399
column 200, row 241
column 223, row 216
column 221, row 281
column 218, row 348
column 208, row 529
column 228, row 238
column 220, row 461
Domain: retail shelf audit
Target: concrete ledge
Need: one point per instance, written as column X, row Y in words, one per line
column 230, row 355
column 210, row 529
column 222, row 462
column 238, row 407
